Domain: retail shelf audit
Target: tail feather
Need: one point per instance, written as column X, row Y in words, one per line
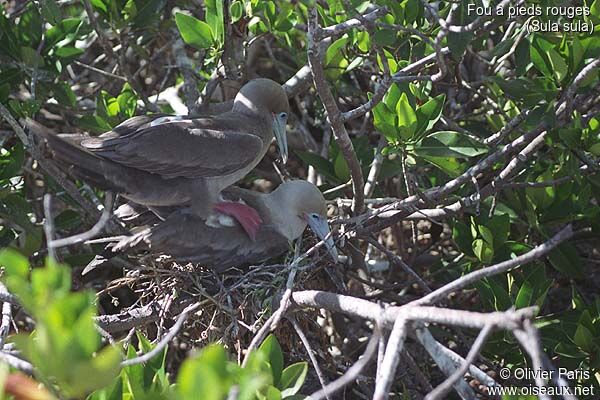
column 74, row 159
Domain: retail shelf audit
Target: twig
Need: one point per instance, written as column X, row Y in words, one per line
column 352, row 372
column 311, row 355
column 445, row 386
column 530, row 341
column 475, row 276
column 368, row 310
column 333, row 113
column 99, row 71
column 6, row 317
column 14, row 125
column 92, row 232
column 338, row 29
column 190, row 90
column 17, row 363
column 165, row 340
column 444, row 363
column 49, row 224
column 393, row 349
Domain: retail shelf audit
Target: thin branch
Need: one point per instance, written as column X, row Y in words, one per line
column 49, row 224
column 333, row 113
column 509, row 320
column 164, row 342
column 446, row 364
column 440, row 391
column 311, row 355
column 14, row 125
column 393, row 349
column 505, row 266
column 353, row 372
column 92, row 232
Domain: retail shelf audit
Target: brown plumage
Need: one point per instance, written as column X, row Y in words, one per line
column 220, row 243
column 166, row 161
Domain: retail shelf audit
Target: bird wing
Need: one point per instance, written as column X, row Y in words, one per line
column 186, row 237
column 180, row 148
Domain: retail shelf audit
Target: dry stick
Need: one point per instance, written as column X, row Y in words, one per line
column 508, row 320
column 581, row 76
column 530, row 341
column 345, row 26
column 393, row 349
column 375, row 169
column 333, row 112
column 49, row 224
column 436, row 193
column 284, row 304
column 311, row 355
column 445, row 386
column 6, row 317
column 444, row 363
column 14, row 125
column 99, row 71
column 506, row 129
column 397, row 260
column 505, row 266
column 104, row 42
column 419, row 376
column 92, row 232
column 190, row 90
column 444, row 353
column 165, row 340
column 352, row 372
column 17, row 363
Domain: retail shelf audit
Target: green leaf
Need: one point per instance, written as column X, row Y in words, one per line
column 450, row 166
column 458, row 41
column 483, row 250
column 565, row 259
column 292, row 378
column 214, row 19
column 559, row 66
column 584, row 338
column 429, row 113
column 270, row 347
column 450, row 144
column 50, row 11
column 499, row 225
column 407, row 118
column 335, row 50
column 194, row 32
column 236, row 10
column 14, row 263
column 200, row 377
column 321, row 164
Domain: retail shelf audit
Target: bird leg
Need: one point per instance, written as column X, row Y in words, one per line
column 247, row 216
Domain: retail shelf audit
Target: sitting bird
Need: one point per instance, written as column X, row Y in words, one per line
column 159, row 161
column 221, row 243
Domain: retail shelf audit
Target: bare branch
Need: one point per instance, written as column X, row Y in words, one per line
column 445, row 386
column 164, row 342
column 333, row 113
column 475, row 276
column 352, row 372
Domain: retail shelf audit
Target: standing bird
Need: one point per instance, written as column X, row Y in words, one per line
column 182, row 161
column 223, row 244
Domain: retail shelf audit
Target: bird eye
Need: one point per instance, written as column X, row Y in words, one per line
column 283, row 115
column 314, row 216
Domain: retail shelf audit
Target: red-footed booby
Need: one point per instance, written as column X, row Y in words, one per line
column 161, row 161
column 222, row 243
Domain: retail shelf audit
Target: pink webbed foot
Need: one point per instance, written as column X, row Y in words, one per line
column 247, row 216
